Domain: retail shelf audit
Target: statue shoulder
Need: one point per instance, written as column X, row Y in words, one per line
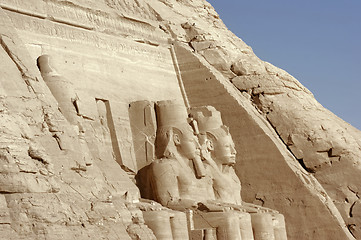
column 165, row 161
column 165, row 164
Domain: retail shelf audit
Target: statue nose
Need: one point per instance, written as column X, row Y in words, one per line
column 233, row 150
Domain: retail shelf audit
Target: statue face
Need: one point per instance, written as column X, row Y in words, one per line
column 224, row 150
column 187, row 142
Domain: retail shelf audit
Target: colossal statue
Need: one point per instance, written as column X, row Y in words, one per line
column 219, row 154
column 179, row 178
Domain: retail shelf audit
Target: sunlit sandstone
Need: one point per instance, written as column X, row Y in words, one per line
column 85, row 127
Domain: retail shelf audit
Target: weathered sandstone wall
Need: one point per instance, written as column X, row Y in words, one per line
column 293, row 155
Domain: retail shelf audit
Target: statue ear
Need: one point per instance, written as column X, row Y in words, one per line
column 209, row 144
column 176, row 139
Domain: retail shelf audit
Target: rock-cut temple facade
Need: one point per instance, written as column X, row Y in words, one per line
column 149, row 119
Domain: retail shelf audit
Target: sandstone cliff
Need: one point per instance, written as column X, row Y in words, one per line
column 293, row 155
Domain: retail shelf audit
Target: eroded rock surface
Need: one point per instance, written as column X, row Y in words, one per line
column 69, row 151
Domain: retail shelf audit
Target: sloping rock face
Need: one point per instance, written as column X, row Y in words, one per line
column 69, row 172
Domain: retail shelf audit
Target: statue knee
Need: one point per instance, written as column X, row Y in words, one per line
column 262, row 226
column 279, row 226
column 159, row 223
column 245, row 225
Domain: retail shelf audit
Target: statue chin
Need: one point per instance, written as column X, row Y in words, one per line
column 227, row 160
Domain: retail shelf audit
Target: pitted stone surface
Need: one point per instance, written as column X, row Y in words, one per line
column 63, row 179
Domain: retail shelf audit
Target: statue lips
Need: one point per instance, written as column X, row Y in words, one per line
column 232, row 159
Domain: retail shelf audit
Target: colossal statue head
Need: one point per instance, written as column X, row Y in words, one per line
column 174, row 135
column 214, row 136
column 224, row 151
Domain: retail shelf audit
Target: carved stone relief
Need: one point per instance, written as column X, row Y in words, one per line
column 143, row 124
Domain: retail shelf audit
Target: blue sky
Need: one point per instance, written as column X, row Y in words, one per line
column 318, row 42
